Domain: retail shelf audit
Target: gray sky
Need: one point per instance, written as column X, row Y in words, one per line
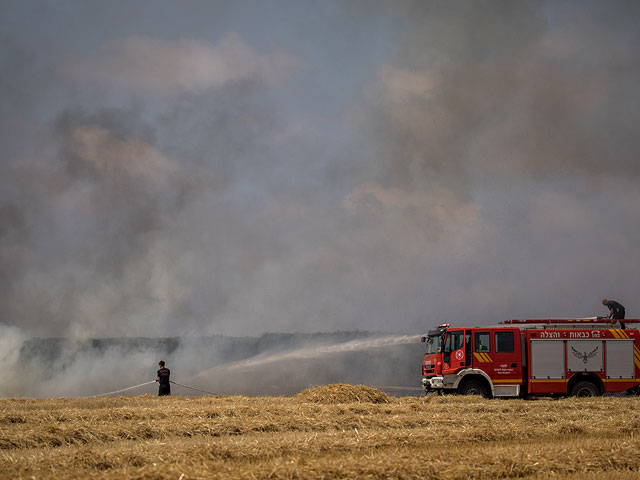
column 174, row 168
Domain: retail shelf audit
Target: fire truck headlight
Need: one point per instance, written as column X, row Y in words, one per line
column 424, row 381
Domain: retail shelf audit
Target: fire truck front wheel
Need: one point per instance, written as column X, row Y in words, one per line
column 472, row 387
column 584, row 389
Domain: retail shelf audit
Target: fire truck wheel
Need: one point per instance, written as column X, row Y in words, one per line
column 633, row 391
column 472, row 387
column 584, row 389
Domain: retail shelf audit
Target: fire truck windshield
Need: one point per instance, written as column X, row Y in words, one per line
column 434, row 344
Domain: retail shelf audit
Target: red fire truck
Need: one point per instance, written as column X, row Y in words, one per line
column 522, row 358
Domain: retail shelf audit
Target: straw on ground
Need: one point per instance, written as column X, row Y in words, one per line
column 339, row 431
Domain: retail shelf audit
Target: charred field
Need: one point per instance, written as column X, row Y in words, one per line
column 336, row 431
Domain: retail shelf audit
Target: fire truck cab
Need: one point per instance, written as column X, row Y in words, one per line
column 582, row 357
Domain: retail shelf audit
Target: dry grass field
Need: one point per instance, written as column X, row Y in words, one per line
column 337, row 431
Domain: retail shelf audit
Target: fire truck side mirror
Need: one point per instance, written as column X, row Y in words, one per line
column 423, row 339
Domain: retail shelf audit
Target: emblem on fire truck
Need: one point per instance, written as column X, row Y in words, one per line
column 584, row 355
column 459, row 354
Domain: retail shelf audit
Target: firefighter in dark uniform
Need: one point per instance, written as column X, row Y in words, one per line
column 164, row 387
column 616, row 310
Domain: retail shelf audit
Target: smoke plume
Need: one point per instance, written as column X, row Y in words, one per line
column 240, row 167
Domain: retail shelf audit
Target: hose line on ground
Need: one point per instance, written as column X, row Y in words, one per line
column 192, row 388
column 147, row 383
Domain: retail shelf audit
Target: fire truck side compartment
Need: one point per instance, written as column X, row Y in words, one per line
column 619, row 357
column 585, row 356
column 547, row 359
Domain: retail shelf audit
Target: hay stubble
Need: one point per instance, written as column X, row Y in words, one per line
column 338, row 431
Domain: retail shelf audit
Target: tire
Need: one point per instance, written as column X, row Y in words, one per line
column 584, row 389
column 633, row 391
column 472, row 387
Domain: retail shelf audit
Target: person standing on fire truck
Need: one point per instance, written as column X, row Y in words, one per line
column 616, row 310
column 163, row 379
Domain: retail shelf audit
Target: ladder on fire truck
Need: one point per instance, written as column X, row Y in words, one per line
column 588, row 322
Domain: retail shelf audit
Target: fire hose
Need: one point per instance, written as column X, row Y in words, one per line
column 192, row 388
column 125, row 389
column 148, row 383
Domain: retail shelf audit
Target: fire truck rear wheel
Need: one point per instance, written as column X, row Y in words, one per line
column 584, row 389
column 472, row 387
column 634, row 391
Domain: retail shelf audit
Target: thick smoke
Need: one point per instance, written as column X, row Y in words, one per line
column 239, row 168
column 524, row 116
column 270, row 364
column 484, row 89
